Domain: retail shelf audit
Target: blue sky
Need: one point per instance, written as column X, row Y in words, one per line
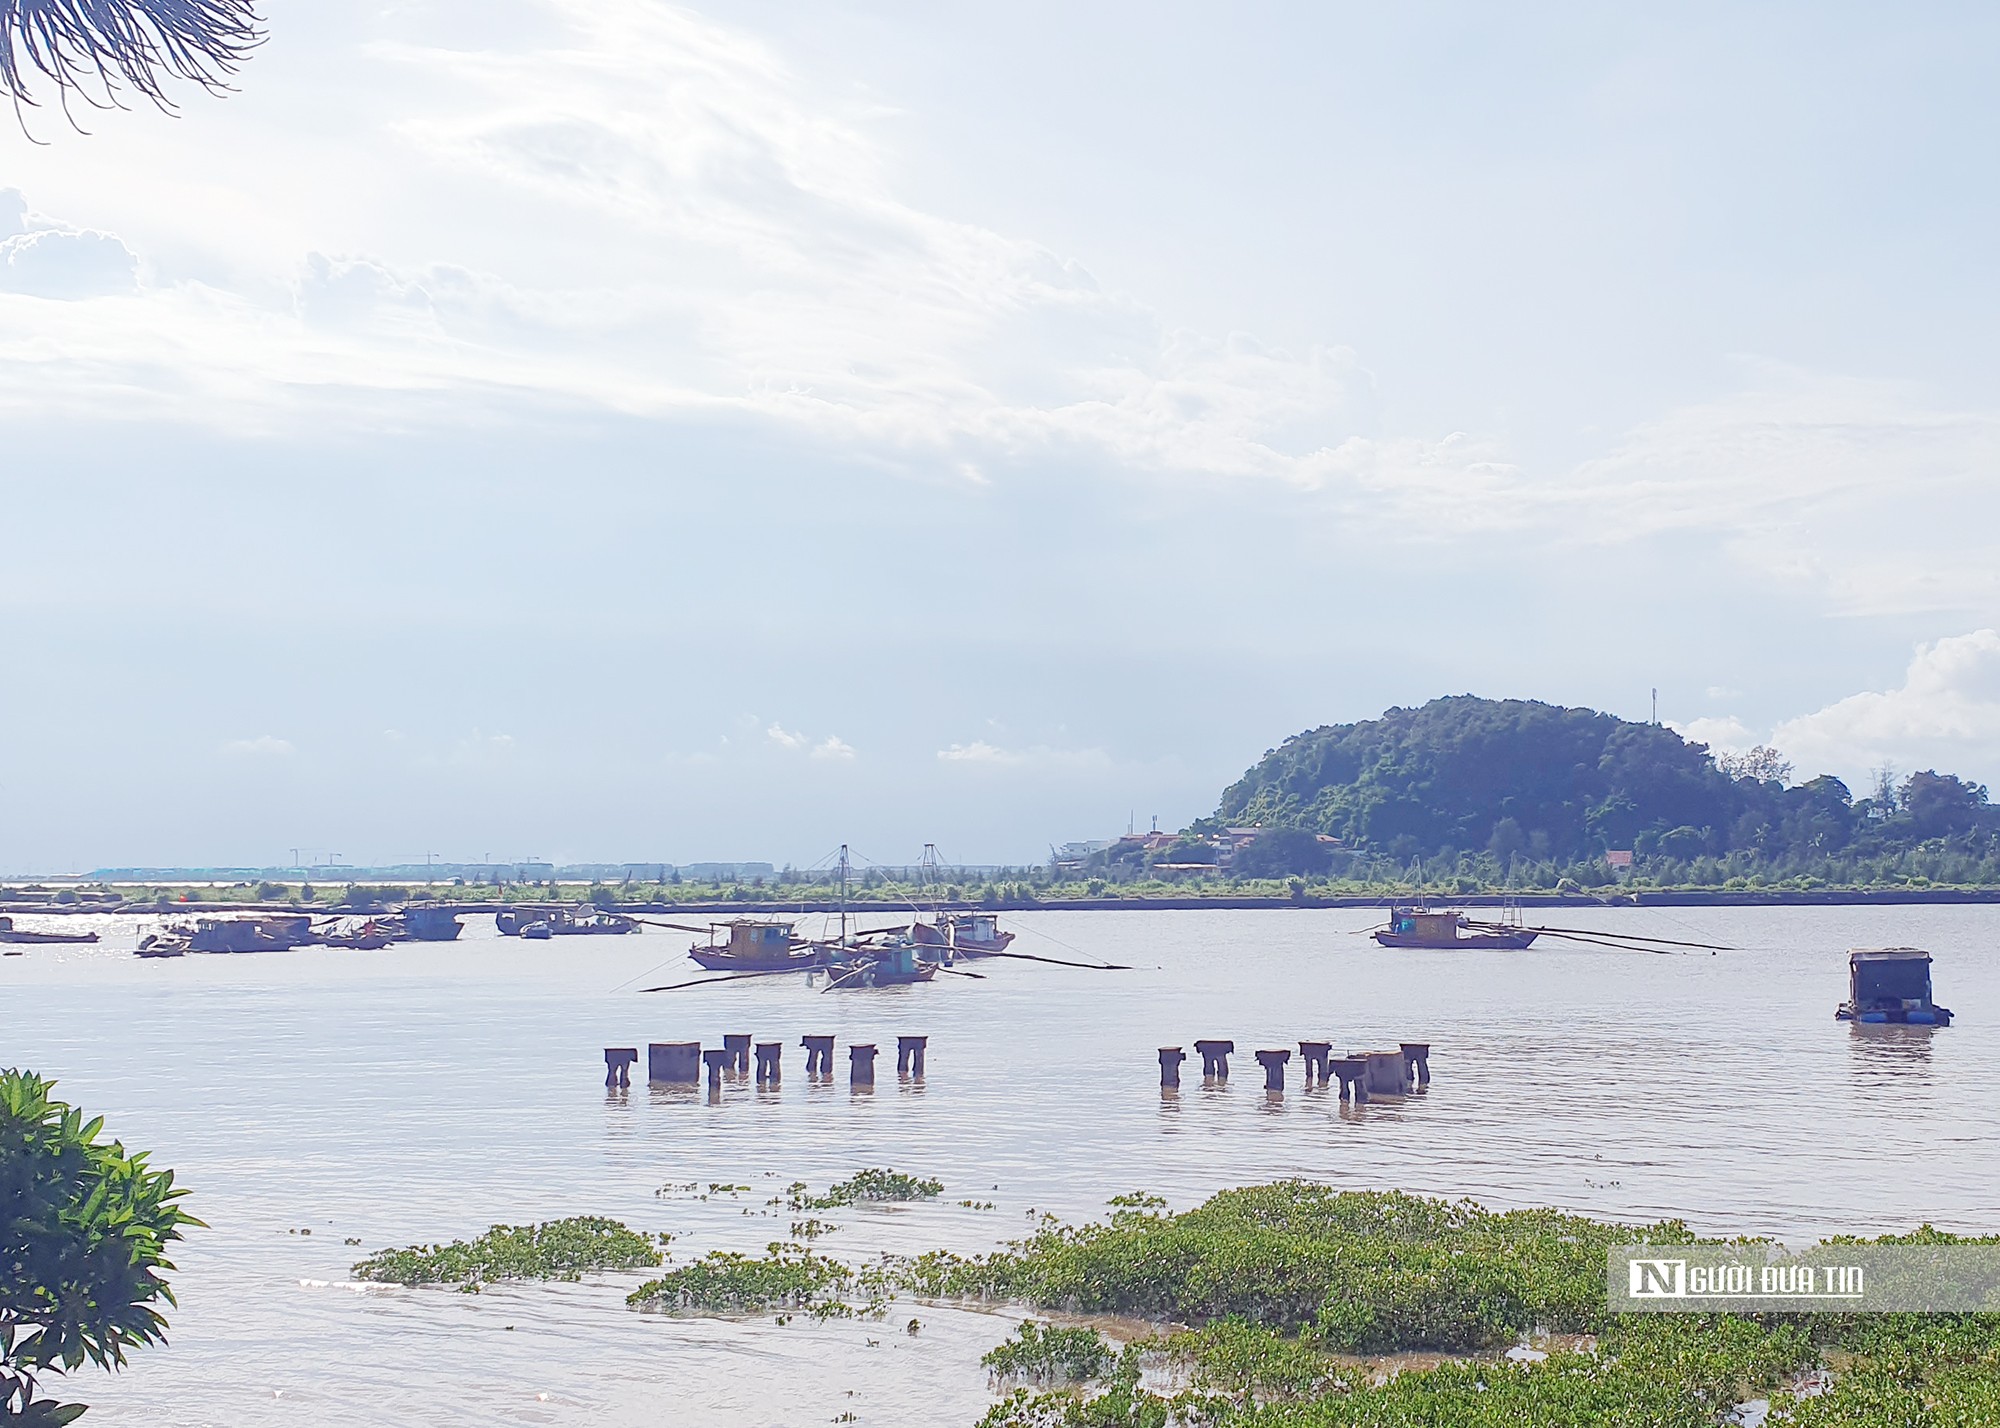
column 615, row 430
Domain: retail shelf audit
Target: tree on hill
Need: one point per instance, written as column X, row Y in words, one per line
column 1518, row 778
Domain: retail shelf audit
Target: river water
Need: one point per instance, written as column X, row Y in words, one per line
column 426, row 1092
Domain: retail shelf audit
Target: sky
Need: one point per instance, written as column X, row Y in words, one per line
column 603, row 430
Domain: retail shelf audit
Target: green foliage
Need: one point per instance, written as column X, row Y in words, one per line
column 868, row 1186
column 1285, row 1283
column 84, row 1231
column 1360, row 1271
column 788, row 1276
column 1043, row 1353
column 560, row 1249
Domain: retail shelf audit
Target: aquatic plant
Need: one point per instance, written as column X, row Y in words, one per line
column 788, row 1276
column 866, row 1187
column 84, row 1231
column 1286, row 1283
column 560, row 1249
column 1044, row 1353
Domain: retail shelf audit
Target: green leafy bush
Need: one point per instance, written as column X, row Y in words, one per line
column 1043, row 1353
column 788, row 1276
column 868, row 1186
column 84, row 1231
column 561, row 1249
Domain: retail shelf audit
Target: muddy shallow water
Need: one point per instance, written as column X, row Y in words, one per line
column 426, row 1092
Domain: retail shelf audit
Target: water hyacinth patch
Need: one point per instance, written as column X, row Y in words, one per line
column 560, row 1249
column 788, row 1276
column 1043, row 1353
column 867, row 1187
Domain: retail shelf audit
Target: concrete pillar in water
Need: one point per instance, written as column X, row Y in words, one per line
column 1171, row 1058
column 1388, row 1074
column 715, row 1061
column 738, row 1048
column 1215, row 1058
column 1353, row 1074
column 819, row 1055
column 1273, row 1063
column 768, row 1054
column 910, row 1056
column 1314, row 1054
column 861, row 1065
column 1418, row 1054
column 618, row 1065
column 674, row 1063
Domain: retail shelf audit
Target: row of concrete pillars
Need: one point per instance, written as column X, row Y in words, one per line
column 681, row 1063
column 1384, row 1073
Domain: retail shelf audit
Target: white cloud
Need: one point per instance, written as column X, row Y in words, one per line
column 51, row 263
column 1728, row 735
column 1945, row 715
column 980, row 752
column 263, row 746
column 831, row 747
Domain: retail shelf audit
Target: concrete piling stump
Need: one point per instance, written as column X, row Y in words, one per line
column 1353, row 1074
column 716, row 1061
column 618, row 1062
column 673, row 1063
column 1273, row 1063
column 819, row 1055
column 861, row 1065
column 1418, row 1053
column 1171, row 1058
column 768, row 1055
column 738, row 1048
column 1314, row 1055
column 1388, row 1073
column 1215, row 1058
column 910, row 1056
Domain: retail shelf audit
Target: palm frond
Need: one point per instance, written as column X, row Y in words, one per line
column 96, row 48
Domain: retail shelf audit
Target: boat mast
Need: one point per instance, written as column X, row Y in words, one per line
column 843, row 894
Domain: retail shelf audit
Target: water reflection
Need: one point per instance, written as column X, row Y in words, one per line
column 1880, row 1048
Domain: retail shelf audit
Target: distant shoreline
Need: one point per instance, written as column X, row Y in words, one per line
column 1645, row 897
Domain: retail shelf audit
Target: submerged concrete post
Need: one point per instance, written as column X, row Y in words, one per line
column 1352, row 1071
column 768, row 1054
column 738, row 1048
column 618, row 1065
column 1419, row 1054
column 1215, row 1058
column 1388, row 1073
column 861, row 1065
column 715, row 1061
column 910, row 1056
column 674, row 1063
column 1171, row 1058
column 1273, row 1063
column 819, row 1055
column 1314, row 1055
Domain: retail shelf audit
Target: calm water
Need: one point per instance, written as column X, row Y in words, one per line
column 427, row 1092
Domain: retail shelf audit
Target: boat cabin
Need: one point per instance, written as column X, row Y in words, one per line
column 750, row 938
column 1891, row 984
column 1439, row 928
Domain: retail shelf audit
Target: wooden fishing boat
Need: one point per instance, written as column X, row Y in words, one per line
column 1891, row 984
column 1450, row 930
column 272, row 932
column 749, row 944
column 10, row 933
column 958, row 935
column 560, row 922
column 892, row 962
column 370, row 935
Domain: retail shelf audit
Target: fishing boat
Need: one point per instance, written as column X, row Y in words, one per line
column 10, row 933
column 560, row 922
column 430, row 922
column 749, row 944
column 272, row 932
column 887, row 962
column 1450, row 930
column 958, row 935
column 1891, row 984
column 370, row 935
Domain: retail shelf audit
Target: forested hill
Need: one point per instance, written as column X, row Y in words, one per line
column 1518, row 778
